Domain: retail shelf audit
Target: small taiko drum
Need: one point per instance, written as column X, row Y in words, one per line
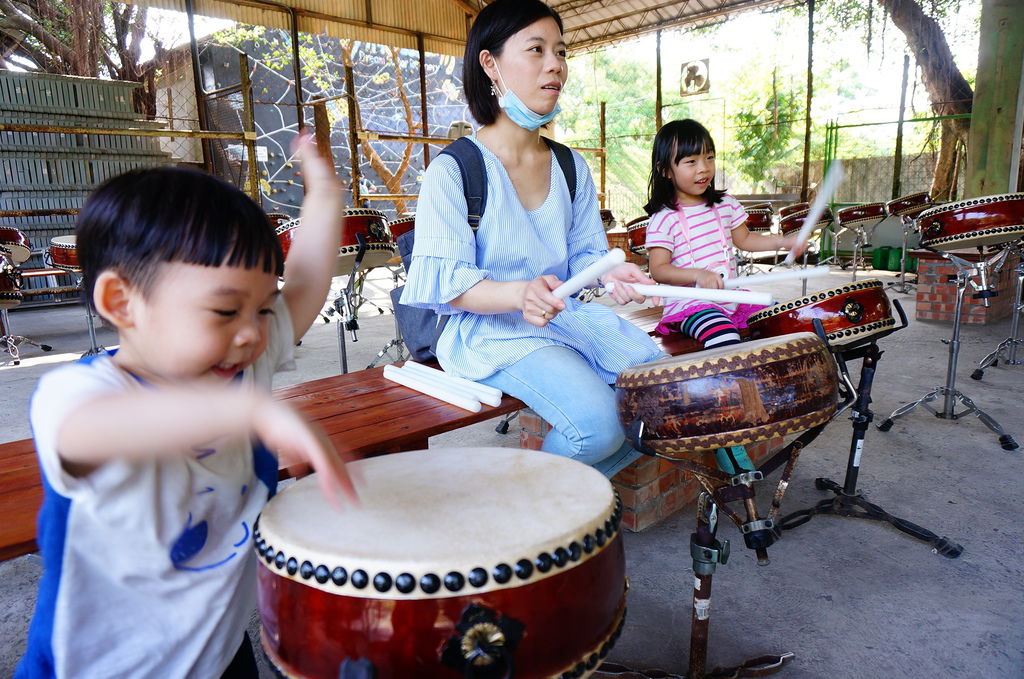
column 868, row 214
column 793, row 220
column 64, row 254
column 373, row 224
column 18, row 244
column 460, row 562
column 401, row 226
column 608, row 219
column 848, row 314
column 688, row 406
column 909, row 206
column 10, row 280
column 285, row 232
column 986, row 220
column 636, row 233
column 759, row 218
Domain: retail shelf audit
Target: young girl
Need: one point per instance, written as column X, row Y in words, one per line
column 505, row 327
column 157, row 458
column 692, row 231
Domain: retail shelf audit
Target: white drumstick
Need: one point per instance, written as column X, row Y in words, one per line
column 487, row 395
column 758, row 278
column 825, row 191
column 612, row 259
column 709, row 294
column 408, row 379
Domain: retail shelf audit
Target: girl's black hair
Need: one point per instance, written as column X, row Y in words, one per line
column 494, row 25
column 146, row 217
column 676, row 140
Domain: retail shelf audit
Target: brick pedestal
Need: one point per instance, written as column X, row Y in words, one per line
column 936, row 295
column 651, row 488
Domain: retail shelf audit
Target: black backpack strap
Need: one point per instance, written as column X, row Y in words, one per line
column 474, row 177
column 568, row 164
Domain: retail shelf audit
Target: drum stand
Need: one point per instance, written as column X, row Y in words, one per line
column 965, row 272
column 901, row 285
column 1007, row 349
column 396, row 344
column 848, row 501
column 9, row 343
column 346, row 306
column 861, row 239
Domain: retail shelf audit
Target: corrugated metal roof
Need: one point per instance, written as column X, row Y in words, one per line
column 442, row 23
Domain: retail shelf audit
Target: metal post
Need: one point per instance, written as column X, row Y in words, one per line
column 197, row 81
column 252, row 185
column 897, row 166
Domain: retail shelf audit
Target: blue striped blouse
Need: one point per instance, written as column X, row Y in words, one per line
column 514, row 244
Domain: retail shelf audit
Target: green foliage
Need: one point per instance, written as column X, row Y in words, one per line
column 768, row 132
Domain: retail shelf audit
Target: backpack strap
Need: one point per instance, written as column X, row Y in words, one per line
column 470, row 160
column 568, row 164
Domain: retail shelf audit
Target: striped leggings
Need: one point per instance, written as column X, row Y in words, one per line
column 711, row 328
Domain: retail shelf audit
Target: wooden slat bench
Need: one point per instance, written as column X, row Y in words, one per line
column 360, row 411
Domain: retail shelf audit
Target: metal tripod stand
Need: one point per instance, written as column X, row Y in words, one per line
column 1007, row 349
column 901, row 285
column 966, row 272
column 849, row 501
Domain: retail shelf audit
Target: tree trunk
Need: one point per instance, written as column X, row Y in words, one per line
column 947, row 88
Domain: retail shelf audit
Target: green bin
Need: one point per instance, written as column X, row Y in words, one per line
column 881, row 256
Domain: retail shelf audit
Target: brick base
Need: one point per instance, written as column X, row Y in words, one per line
column 936, row 295
column 651, row 488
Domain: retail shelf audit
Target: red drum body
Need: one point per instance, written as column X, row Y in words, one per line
column 861, row 215
column 636, row 232
column 608, row 220
column 909, row 206
column 15, row 241
column 401, row 226
column 10, row 280
column 759, row 219
column 285, row 231
column 787, row 210
column 849, row 314
column 373, row 225
column 693, row 404
column 793, row 220
column 64, row 254
column 449, row 555
column 987, row 220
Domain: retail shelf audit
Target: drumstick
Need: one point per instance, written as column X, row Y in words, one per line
column 708, row 294
column 612, row 259
column 758, row 278
column 486, row 395
column 828, row 187
column 408, row 379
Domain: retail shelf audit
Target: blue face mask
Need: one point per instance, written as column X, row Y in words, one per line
column 520, row 113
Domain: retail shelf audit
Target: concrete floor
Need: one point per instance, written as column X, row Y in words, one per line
column 851, row 598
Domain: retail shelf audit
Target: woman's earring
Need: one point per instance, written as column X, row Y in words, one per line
column 494, row 91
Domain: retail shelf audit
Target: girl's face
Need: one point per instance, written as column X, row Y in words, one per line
column 692, row 175
column 532, row 64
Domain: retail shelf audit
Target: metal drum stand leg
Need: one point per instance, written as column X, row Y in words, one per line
column 949, row 392
column 396, row 344
column 1007, row 349
column 901, row 285
column 848, row 501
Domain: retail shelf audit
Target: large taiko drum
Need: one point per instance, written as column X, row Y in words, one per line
column 18, row 244
column 64, row 254
column 400, row 226
column 909, row 206
column 849, row 314
column 792, row 220
column 509, row 559
column 987, row 220
column 10, row 280
column 636, row 233
column 759, row 218
column 373, row 224
column 693, row 404
column 608, row 220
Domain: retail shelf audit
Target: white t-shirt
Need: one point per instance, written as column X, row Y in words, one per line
column 148, row 566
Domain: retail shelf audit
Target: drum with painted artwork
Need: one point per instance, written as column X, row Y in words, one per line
column 690, row 405
column 470, row 562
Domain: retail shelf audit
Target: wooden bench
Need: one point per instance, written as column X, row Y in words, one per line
column 360, row 411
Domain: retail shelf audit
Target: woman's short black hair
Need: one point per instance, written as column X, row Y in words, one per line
column 676, row 140
column 137, row 220
column 496, row 23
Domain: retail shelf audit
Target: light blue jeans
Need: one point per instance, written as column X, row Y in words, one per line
column 560, row 386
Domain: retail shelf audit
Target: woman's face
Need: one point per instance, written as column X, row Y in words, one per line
column 532, row 64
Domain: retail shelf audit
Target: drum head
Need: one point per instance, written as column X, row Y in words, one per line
column 691, row 405
column 441, row 511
